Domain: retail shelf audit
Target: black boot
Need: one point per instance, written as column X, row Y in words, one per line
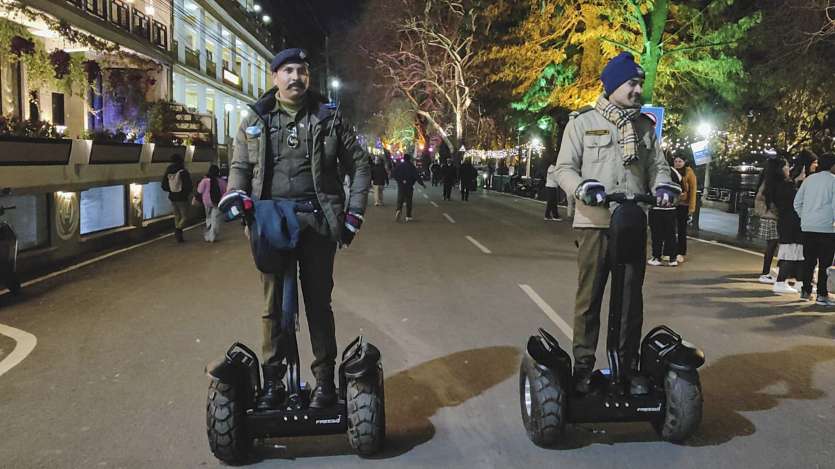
column 582, row 380
column 273, row 394
column 324, row 395
column 178, row 235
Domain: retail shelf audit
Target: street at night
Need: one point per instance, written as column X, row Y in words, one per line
column 117, row 377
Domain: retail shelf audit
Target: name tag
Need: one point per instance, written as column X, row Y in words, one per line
column 597, row 132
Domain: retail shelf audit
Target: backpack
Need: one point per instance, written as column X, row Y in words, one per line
column 175, row 181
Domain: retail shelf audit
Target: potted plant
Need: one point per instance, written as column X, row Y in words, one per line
column 26, row 142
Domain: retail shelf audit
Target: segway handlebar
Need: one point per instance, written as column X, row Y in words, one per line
column 623, row 197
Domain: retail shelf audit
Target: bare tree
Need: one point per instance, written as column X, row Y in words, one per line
column 430, row 65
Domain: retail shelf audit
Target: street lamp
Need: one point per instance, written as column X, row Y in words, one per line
column 704, row 129
column 335, row 85
column 266, row 19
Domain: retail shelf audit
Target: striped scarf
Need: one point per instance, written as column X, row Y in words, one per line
column 623, row 119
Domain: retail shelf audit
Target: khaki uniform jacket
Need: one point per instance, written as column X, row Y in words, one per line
column 590, row 150
column 333, row 155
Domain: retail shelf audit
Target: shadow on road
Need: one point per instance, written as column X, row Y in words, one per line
column 413, row 396
column 754, row 382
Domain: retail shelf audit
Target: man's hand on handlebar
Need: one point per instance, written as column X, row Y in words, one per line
column 591, row 192
column 236, row 204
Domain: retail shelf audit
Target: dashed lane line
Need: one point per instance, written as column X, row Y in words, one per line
column 546, row 308
column 478, row 245
column 434, row 204
column 449, row 218
column 25, row 343
column 426, row 196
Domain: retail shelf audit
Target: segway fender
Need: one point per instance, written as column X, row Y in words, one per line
column 238, row 367
column 546, row 351
column 664, row 349
column 359, row 359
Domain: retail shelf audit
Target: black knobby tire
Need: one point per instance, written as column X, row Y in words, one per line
column 228, row 438
column 683, row 410
column 366, row 414
column 542, row 401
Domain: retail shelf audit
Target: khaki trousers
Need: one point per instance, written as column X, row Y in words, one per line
column 378, row 195
column 180, row 213
column 594, row 269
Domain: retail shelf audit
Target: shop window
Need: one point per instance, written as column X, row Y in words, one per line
column 155, row 201
column 30, row 219
column 102, row 208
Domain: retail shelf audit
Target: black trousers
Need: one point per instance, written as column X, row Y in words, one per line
column 405, row 195
column 448, row 190
column 682, row 214
column 662, row 224
column 465, row 192
column 551, row 210
column 818, row 249
column 315, row 257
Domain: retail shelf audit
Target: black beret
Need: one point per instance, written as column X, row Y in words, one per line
column 288, row 55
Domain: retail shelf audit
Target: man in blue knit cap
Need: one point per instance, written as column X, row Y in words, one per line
column 609, row 148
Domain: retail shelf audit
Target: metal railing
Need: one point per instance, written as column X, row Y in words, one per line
column 126, row 17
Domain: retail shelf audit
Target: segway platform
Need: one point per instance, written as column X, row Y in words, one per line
column 233, row 421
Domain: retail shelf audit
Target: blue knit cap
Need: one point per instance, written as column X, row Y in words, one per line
column 618, row 71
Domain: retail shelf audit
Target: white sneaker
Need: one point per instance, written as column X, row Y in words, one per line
column 672, row 263
column 654, row 261
column 680, row 258
column 767, row 278
column 782, row 288
column 408, row 219
column 824, row 301
column 397, row 215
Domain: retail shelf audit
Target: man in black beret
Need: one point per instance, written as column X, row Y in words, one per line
column 296, row 147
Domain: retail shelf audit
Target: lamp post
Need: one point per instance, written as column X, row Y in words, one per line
column 704, row 129
column 335, row 85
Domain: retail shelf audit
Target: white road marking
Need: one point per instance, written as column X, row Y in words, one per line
column 560, row 322
column 478, row 245
column 425, row 196
column 25, row 344
column 434, row 204
column 95, row 259
column 449, row 218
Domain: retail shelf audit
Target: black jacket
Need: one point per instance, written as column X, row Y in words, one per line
column 188, row 186
column 449, row 174
column 469, row 176
column 406, row 174
column 379, row 175
column 788, row 222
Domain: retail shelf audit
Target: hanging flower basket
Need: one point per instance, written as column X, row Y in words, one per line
column 60, row 61
column 20, row 45
column 92, row 70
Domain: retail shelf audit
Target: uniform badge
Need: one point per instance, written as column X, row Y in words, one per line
column 597, row 132
column 253, row 131
column 293, row 137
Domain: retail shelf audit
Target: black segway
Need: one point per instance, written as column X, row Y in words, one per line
column 666, row 392
column 233, row 422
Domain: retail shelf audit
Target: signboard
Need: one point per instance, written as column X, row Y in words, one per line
column 656, row 114
column 701, row 153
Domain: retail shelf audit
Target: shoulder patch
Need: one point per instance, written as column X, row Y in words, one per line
column 582, row 110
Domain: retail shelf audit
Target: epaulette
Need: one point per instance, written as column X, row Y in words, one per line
column 582, row 110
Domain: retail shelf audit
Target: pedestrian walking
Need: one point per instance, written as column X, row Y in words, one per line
column 406, row 176
column 379, row 179
column 177, row 182
column 449, row 176
column 491, row 170
column 210, row 189
column 610, row 147
column 552, row 212
column 805, row 164
column 292, row 151
column 469, row 176
column 435, row 169
column 770, row 178
column 780, row 193
column 686, row 203
column 815, row 204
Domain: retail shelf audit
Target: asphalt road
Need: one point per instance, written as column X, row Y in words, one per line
column 117, row 376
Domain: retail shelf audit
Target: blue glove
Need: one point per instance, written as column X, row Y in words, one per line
column 591, row 192
column 666, row 194
column 236, row 204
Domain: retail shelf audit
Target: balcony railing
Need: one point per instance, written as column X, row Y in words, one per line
column 126, row 17
column 192, row 58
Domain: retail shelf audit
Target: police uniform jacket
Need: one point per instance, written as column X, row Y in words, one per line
column 590, row 150
column 334, row 153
